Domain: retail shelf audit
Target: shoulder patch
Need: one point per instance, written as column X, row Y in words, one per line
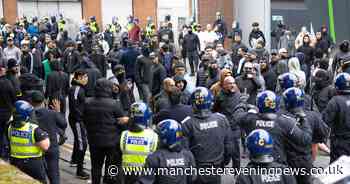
column 288, row 117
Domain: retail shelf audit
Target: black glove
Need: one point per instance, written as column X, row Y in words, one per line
column 62, row 139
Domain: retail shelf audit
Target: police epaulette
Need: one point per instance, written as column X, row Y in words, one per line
column 186, row 119
column 288, row 117
column 218, row 113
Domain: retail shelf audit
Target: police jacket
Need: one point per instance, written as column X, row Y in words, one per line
column 209, row 139
column 76, row 101
column 282, row 128
column 51, row 122
column 275, row 178
column 176, row 112
column 322, row 96
column 337, row 116
column 100, row 117
column 176, row 157
column 320, row 129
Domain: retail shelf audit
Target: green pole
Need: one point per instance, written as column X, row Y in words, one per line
column 331, row 20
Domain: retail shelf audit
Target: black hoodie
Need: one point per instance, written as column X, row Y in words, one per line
column 185, row 95
column 100, row 117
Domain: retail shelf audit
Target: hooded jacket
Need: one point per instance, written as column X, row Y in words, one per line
column 100, row 116
column 294, row 68
column 93, row 74
column 185, row 95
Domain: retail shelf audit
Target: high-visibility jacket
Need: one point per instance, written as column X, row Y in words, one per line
column 93, row 27
column 22, row 142
column 136, row 146
column 61, row 24
column 150, row 31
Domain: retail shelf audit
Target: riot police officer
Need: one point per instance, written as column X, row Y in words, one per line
column 138, row 141
column 260, row 145
column 171, row 154
column 27, row 142
column 282, row 128
column 299, row 156
column 208, row 135
column 289, row 80
column 337, row 116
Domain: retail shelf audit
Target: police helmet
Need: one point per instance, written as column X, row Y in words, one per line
column 342, row 82
column 170, row 132
column 293, row 98
column 267, row 102
column 260, row 144
column 24, row 109
column 287, row 80
column 140, row 114
column 201, row 99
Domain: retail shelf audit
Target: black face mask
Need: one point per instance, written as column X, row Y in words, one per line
column 120, row 76
column 213, row 71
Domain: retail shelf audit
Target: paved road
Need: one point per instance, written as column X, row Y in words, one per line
column 68, row 173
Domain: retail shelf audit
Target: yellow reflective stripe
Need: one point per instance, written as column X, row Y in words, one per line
column 24, row 147
column 134, row 155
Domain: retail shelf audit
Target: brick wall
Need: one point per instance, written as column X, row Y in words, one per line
column 144, row 8
column 10, row 10
column 92, row 8
column 207, row 12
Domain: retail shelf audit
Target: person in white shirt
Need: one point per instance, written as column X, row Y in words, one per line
column 207, row 37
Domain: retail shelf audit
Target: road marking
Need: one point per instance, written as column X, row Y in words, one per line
column 69, row 148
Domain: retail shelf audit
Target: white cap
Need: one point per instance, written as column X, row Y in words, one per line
column 282, row 50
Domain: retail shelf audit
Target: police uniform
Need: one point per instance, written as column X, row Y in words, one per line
column 282, row 128
column 210, row 142
column 135, row 147
column 173, row 158
column 271, row 178
column 337, row 116
column 94, row 27
column 299, row 156
column 24, row 154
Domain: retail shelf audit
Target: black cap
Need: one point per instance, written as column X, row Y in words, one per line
column 11, row 63
column 37, row 96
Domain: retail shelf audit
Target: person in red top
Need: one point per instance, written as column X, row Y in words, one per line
column 135, row 31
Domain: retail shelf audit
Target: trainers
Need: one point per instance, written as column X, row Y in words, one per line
column 83, row 175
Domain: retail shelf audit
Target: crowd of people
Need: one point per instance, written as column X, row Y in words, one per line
column 281, row 105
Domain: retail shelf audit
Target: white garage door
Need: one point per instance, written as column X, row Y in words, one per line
column 118, row 8
column 70, row 9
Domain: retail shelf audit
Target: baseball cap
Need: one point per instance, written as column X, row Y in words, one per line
column 282, row 50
